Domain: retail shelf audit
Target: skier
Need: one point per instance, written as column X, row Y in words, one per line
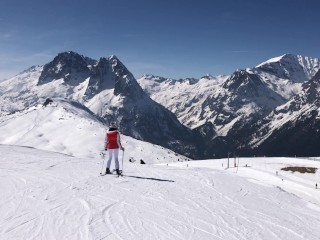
column 112, row 145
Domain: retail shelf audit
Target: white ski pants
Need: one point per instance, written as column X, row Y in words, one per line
column 114, row 152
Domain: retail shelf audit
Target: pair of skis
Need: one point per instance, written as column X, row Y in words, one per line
column 103, row 154
column 118, row 175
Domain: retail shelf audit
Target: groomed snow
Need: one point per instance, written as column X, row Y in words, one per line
column 46, row 195
column 267, row 171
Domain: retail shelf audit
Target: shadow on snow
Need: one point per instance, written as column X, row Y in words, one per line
column 153, row 179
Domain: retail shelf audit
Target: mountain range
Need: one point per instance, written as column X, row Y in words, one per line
column 108, row 89
column 236, row 105
column 252, row 111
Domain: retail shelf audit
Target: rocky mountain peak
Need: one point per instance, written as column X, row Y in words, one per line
column 243, row 81
column 111, row 73
column 155, row 78
column 125, row 82
column 113, row 58
column 69, row 66
column 207, row 76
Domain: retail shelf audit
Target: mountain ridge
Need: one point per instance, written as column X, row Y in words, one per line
column 199, row 118
column 109, row 90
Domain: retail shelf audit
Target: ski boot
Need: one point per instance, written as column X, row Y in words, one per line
column 118, row 172
column 108, row 171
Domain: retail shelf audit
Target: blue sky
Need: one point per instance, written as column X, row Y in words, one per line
column 170, row 38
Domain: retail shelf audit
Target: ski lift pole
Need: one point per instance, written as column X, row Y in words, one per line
column 228, row 160
column 238, row 164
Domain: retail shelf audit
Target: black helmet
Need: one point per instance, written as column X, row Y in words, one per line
column 113, row 125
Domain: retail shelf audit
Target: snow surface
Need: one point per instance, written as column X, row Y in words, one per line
column 267, row 172
column 57, row 192
column 46, row 195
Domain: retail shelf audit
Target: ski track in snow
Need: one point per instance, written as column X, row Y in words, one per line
column 47, row 195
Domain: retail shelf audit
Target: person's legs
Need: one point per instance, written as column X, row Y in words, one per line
column 110, row 158
column 116, row 153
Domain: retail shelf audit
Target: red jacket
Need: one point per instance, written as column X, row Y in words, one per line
column 112, row 140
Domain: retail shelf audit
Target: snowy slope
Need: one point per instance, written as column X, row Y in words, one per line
column 47, row 195
column 22, row 84
column 60, row 127
column 70, row 128
column 267, row 172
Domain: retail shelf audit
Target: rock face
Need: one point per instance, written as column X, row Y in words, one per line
column 69, row 66
column 246, row 98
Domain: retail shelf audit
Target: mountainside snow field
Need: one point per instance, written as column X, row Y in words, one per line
column 69, row 128
column 46, row 195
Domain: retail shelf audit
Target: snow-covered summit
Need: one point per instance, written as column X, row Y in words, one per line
column 297, row 68
column 68, row 75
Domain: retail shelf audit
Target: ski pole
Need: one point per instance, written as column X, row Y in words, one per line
column 122, row 159
column 103, row 154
